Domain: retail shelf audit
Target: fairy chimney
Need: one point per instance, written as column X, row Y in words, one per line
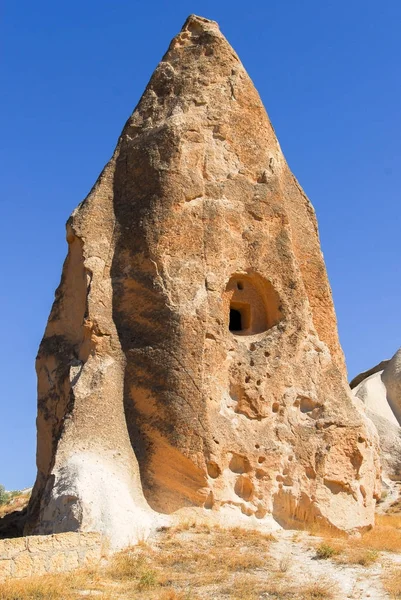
column 191, row 357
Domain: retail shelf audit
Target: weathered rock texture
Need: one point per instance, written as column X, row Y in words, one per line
column 197, row 214
column 380, row 391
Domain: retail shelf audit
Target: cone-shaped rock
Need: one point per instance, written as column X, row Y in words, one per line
column 380, row 391
column 193, row 332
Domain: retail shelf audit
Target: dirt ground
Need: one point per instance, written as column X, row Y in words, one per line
column 194, row 560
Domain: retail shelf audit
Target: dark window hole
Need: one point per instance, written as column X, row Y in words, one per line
column 235, row 320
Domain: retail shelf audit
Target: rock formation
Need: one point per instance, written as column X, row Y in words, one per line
column 191, row 356
column 380, row 391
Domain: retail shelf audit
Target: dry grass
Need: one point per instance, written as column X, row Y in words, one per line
column 211, row 557
column 49, row 587
column 194, row 561
column 318, row 590
column 357, row 556
column 363, row 550
column 182, row 562
column 280, row 588
column 389, row 520
column 385, row 536
column 174, row 595
column 243, row 587
column 347, row 553
column 392, row 583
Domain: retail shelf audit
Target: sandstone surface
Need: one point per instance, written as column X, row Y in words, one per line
column 191, row 357
column 380, row 391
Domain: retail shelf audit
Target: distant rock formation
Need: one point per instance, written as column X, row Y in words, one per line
column 380, row 391
column 191, row 356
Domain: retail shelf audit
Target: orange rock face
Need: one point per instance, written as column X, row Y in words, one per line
column 193, row 333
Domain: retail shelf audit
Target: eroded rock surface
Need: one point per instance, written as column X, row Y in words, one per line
column 380, row 391
column 193, row 333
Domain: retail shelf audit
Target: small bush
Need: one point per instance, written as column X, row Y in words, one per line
column 147, row 580
column 4, row 496
column 15, row 493
column 325, row 551
column 285, row 563
column 126, row 565
column 368, row 558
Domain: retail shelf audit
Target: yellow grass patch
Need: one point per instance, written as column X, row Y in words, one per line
column 392, row 583
column 385, row 536
column 245, row 587
column 48, row 587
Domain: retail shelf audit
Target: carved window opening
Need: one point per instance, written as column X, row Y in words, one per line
column 252, row 304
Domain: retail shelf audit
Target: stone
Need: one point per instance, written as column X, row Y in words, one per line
column 6, row 566
column 380, row 391
column 71, row 561
column 10, row 548
column 57, row 562
column 39, row 564
column 23, row 565
column 191, row 357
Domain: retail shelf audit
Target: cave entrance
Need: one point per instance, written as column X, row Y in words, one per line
column 235, row 320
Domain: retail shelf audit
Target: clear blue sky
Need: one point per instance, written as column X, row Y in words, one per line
column 72, row 72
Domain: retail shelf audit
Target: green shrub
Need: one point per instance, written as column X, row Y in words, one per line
column 325, row 551
column 4, row 496
column 147, row 580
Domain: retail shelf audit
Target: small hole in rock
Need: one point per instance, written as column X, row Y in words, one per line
column 258, row 382
column 239, row 464
column 275, row 407
column 240, row 285
column 243, row 488
column 247, row 379
column 257, row 446
column 261, row 511
column 213, row 469
column 306, row 404
column 261, row 459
